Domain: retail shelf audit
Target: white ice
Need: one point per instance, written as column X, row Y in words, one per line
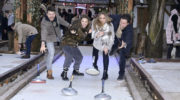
column 87, row 86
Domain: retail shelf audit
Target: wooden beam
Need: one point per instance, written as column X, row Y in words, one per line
column 167, row 12
column 17, row 19
column 130, row 6
column 29, row 15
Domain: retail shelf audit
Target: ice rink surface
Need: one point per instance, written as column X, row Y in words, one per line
column 87, row 86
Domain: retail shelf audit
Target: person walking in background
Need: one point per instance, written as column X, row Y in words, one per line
column 4, row 26
column 10, row 17
column 69, row 16
column 172, row 35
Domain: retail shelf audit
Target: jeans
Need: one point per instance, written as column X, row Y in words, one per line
column 72, row 53
column 105, row 58
column 122, row 61
column 29, row 40
column 50, row 56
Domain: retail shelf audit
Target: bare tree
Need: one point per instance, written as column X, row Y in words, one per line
column 154, row 43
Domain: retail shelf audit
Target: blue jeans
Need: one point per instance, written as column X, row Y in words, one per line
column 50, row 56
column 122, row 61
column 29, row 40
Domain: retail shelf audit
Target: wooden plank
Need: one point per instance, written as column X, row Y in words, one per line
column 152, row 84
column 161, row 60
column 135, row 93
column 2, row 43
column 21, row 82
column 23, row 66
column 132, row 87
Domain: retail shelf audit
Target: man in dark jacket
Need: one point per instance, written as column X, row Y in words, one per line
column 69, row 16
column 124, row 35
column 115, row 22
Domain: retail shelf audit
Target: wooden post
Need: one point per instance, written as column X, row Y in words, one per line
column 17, row 18
column 19, row 14
column 29, row 15
column 130, row 6
column 124, row 6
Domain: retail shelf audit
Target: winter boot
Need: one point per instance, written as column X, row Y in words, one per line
column 105, row 75
column 64, row 75
column 49, row 75
column 96, row 67
column 25, row 57
column 76, row 72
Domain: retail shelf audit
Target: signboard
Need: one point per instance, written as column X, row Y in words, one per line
column 85, row 1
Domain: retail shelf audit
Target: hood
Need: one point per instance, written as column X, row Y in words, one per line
column 174, row 11
column 17, row 24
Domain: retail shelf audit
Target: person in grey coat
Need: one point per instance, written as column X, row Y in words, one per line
column 26, row 34
column 49, row 33
column 103, row 35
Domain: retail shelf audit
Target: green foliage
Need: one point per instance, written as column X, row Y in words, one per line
column 34, row 9
column 17, row 4
column 123, row 6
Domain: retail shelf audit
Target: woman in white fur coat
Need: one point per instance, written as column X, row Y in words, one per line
column 103, row 35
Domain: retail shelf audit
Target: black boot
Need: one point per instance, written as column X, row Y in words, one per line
column 120, row 77
column 64, row 76
column 96, row 67
column 76, row 72
column 25, row 57
column 105, row 75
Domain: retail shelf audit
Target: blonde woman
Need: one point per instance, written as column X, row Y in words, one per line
column 103, row 35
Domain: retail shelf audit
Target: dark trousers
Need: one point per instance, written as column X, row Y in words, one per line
column 10, row 40
column 4, row 36
column 170, row 47
column 178, row 51
column 29, row 40
column 122, row 61
column 105, row 58
column 115, row 45
column 72, row 53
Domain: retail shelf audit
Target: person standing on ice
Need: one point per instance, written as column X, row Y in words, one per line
column 75, row 35
column 49, row 33
column 103, row 35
